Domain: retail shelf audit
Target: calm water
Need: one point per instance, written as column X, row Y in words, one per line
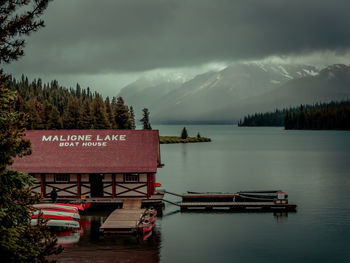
column 313, row 167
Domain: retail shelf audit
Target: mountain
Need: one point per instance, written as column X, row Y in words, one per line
column 149, row 89
column 241, row 88
column 196, row 99
column 331, row 84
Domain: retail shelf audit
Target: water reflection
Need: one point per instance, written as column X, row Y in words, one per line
column 68, row 238
column 90, row 245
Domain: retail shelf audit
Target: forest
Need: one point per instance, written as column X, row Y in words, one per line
column 321, row 116
column 51, row 106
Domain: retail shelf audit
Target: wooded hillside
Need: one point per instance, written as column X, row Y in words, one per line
column 321, row 116
column 51, row 106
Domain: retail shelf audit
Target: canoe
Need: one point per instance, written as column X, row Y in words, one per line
column 58, row 209
column 45, row 212
column 58, row 223
column 54, row 205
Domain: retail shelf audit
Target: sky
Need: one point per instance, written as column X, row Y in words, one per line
column 107, row 44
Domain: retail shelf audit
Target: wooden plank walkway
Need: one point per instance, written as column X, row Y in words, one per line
column 125, row 220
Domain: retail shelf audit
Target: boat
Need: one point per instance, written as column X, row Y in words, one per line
column 48, row 213
column 145, row 226
column 78, row 206
column 147, row 221
column 54, row 205
column 58, row 223
column 58, row 209
column 58, row 215
column 260, row 196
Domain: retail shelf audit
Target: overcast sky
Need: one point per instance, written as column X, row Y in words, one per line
column 106, row 44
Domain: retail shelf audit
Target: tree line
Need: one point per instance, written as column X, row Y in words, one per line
column 321, row 116
column 51, row 106
column 326, row 116
column 275, row 118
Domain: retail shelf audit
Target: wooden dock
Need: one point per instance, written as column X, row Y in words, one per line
column 229, row 201
column 125, row 220
column 238, row 206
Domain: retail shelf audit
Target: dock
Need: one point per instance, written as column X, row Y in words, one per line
column 129, row 220
column 267, row 201
column 156, row 200
column 125, row 220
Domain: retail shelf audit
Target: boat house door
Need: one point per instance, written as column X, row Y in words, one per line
column 96, row 184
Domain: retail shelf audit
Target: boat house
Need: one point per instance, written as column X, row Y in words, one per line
column 93, row 163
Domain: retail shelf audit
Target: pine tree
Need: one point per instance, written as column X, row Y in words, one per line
column 99, row 113
column 121, row 114
column 19, row 241
column 132, row 119
column 55, row 121
column 145, row 120
column 110, row 115
column 87, row 119
column 72, row 115
column 184, row 133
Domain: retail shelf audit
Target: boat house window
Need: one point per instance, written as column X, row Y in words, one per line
column 131, row 177
column 62, row 178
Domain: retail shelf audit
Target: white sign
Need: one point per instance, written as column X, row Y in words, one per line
column 83, row 140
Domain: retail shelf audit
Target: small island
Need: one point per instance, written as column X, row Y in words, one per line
column 184, row 138
column 178, row 139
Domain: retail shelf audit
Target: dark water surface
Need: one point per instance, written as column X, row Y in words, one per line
column 313, row 167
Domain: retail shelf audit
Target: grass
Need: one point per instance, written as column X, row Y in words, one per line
column 177, row 139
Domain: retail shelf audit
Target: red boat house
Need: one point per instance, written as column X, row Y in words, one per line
column 93, row 163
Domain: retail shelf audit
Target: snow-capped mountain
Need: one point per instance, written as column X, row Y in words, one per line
column 236, row 90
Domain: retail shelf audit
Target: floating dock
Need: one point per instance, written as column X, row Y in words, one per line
column 261, row 201
column 129, row 220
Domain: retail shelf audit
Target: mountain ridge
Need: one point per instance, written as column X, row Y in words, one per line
column 238, row 89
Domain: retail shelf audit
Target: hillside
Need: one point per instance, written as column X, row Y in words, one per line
column 212, row 96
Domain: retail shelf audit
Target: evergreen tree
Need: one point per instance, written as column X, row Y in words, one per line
column 121, row 114
column 87, row 121
column 55, row 121
column 72, row 116
column 145, row 120
column 99, row 113
column 184, row 133
column 78, row 91
column 19, row 241
column 132, row 119
column 110, row 114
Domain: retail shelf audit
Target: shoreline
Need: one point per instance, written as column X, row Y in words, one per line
column 178, row 139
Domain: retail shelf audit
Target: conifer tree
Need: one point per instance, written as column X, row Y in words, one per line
column 145, row 120
column 87, row 119
column 110, row 115
column 55, row 121
column 99, row 113
column 132, row 119
column 19, row 241
column 72, row 116
column 121, row 114
column 184, row 133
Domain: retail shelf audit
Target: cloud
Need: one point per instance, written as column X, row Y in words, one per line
column 102, row 37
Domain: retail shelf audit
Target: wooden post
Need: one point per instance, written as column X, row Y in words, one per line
column 149, row 179
column 153, row 186
column 113, row 185
column 43, row 185
column 79, row 185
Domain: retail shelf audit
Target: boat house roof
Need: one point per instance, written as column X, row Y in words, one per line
column 91, row 151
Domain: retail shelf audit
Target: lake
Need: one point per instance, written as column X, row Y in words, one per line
column 312, row 167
